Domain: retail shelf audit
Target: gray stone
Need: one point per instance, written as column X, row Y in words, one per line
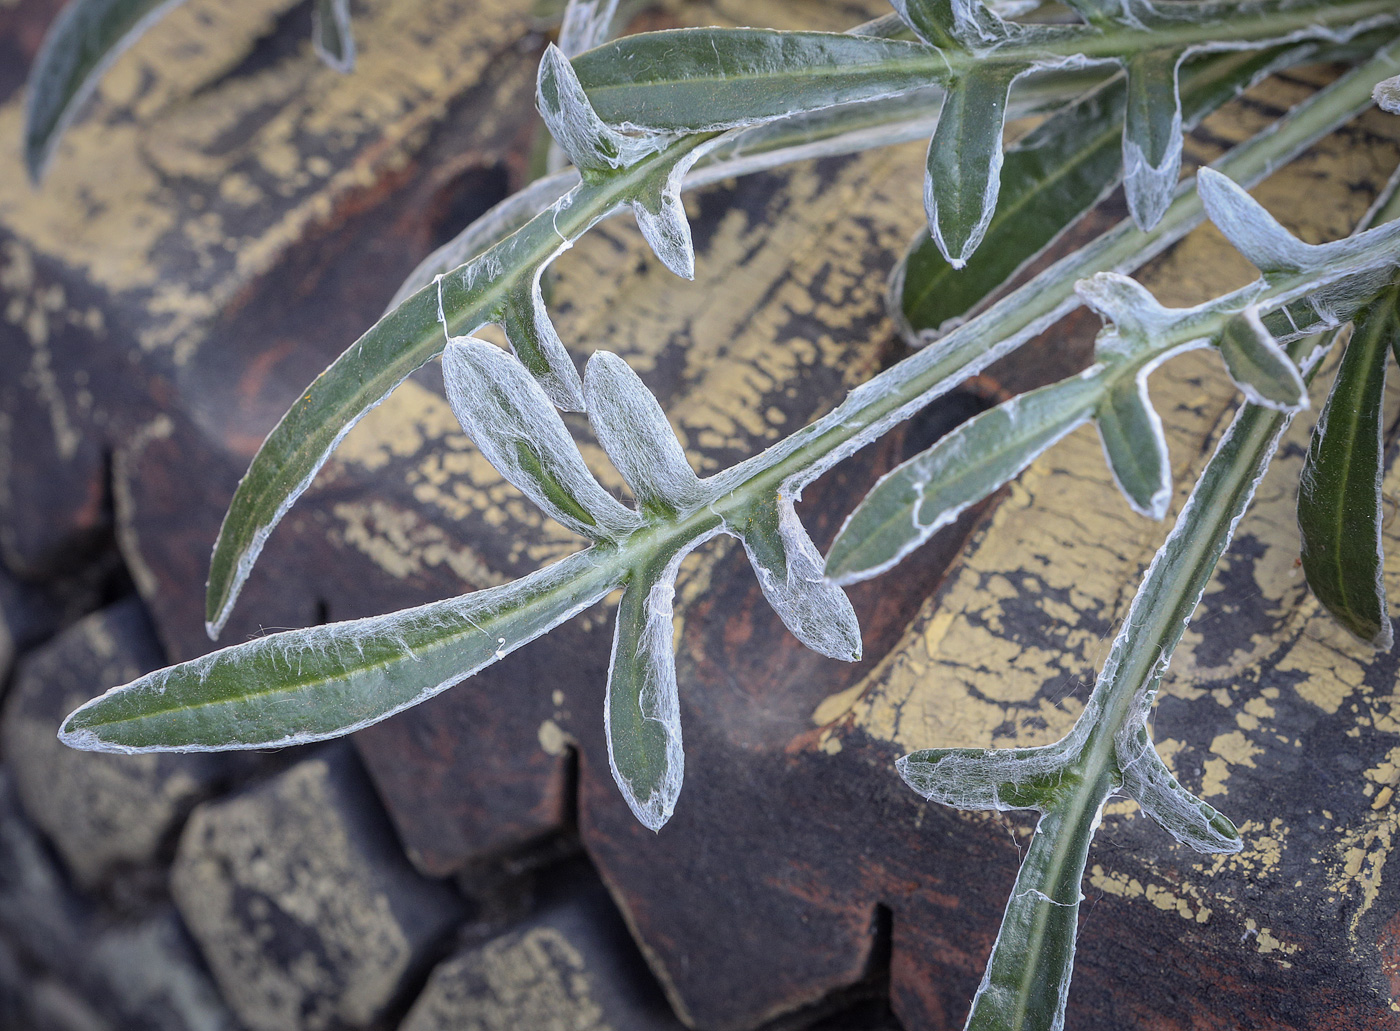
column 302, row 902
column 154, row 976
column 102, row 812
column 55, row 1006
column 39, row 915
column 572, row 967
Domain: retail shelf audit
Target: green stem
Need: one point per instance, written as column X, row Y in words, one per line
column 1019, row 989
column 903, row 389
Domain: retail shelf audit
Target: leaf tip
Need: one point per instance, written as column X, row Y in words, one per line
column 83, row 738
column 653, row 812
column 1387, row 95
column 1226, row 828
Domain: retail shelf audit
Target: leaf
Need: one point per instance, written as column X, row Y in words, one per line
column 324, row 681
column 700, row 80
column 916, row 499
column 1259, row 366
column 633, row 430
column 1135, row 446
column 1339, row 490
column 789, row 570
column 592, row 145
column 1181, row 814
column 1107, row 12
column 536, row 344
column 86, row 37
column 642, row 715
column 1049, row 179
column 989, row 779
column 662, row 220
column 952, row 23
column 331, row 36
column 1152, row 135
column 587, row 23
column 518, row 430
column 1274, row 251
column 1387, row 95
column 487, row 231
column 964, row 160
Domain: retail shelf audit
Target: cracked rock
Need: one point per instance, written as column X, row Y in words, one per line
column 303, row 905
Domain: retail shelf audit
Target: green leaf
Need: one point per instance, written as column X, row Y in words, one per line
column 84, row 40
column 693, row 80
column 995, row 779
column 519, row 431
column 1026, row 985
column 642, row 712
column 468, row 296
column 331, row 36
column 951, row 23
column 916, row 499
column 789, row 570
column 1181, row 814
column 964, row 160
column 1135, row 445
column 1259, row 366
column 1049, row 179
column 1152, row 134
column 533, row 338
column 633, row 430
column 321, row 682
column 1339, row 491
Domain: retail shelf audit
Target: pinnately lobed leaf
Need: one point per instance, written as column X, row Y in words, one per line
column 331, row 677
column 1339, row 491
column 472, row 295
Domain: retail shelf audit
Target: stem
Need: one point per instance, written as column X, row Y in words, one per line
column 900, row 391
column 1018, row 990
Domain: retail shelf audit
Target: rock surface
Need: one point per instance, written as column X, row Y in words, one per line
column 102, row 812
column 307, row 912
